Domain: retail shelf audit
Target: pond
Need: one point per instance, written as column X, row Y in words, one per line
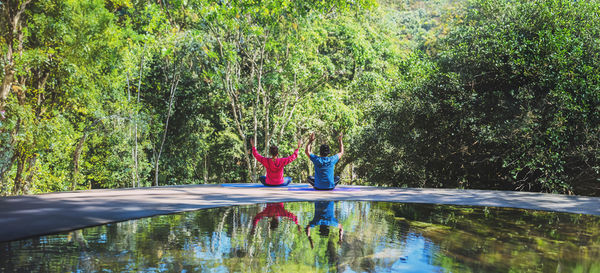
column 324, row 236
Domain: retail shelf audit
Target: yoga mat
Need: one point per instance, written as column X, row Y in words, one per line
column 256, row 185
column 336, row 189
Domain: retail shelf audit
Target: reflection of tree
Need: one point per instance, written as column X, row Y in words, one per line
column 501, row 240
column 360, row 246
column 377, row 237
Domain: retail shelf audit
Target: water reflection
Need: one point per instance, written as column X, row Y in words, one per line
column 324, row 218
column 337, row 237
column 275, row 211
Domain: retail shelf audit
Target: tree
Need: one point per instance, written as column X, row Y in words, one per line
column 510, row 102
column 12, row 36
column 67, row 81
column 260, row 65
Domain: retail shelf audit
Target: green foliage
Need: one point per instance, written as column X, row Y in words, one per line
column 68, row 82
column 512, row 103
column 431, row 93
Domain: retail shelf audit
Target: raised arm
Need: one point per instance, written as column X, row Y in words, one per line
column 255, row 153
column 341, row 153
column 291, row 158
column 310, row 140
column 308, row 235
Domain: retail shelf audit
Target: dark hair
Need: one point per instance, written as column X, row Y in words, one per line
column 273, row 151
column 274, row 223
column 324, row 230
column 324, row 150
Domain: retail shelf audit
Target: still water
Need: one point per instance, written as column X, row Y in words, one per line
column 323, row 237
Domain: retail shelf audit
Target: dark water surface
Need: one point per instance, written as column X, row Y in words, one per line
column 323, row 237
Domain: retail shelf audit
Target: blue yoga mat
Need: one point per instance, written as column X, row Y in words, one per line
column 336, row 189
column 257, row 185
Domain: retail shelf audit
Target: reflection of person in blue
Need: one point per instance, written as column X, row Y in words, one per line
column 324, row 218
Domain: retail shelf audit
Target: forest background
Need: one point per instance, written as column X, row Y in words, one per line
column 482, row 94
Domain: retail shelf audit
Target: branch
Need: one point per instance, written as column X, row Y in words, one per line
column 17, row 18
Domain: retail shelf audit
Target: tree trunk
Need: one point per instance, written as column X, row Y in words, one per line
column 19, row 183
column 5, row 168
column 136, row 160
column 7, row 151
column 253, row 168
column 130, row 130
column 173, row 88
column 6, row 84
column 205, row 171
column 79, row 149
column 135, row 154
column 232, row 94
column 76, row 155
column 12, row 12
column 31, row 167
column 237, row 117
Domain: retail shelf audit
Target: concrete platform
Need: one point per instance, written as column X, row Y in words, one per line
column 26, row 216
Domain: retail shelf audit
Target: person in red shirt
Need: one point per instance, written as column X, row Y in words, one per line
column 274, row 165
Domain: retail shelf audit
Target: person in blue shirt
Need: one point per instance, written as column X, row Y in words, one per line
column 324, row 165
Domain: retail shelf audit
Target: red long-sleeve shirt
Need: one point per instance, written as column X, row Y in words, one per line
column 274, row 166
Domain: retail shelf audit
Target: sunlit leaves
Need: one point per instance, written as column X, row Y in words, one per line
column 511, row 104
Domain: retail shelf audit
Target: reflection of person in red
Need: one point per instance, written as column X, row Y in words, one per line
column 274, row 210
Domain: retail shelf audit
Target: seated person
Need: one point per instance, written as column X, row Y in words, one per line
column 324, row 165
column 274, row 165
